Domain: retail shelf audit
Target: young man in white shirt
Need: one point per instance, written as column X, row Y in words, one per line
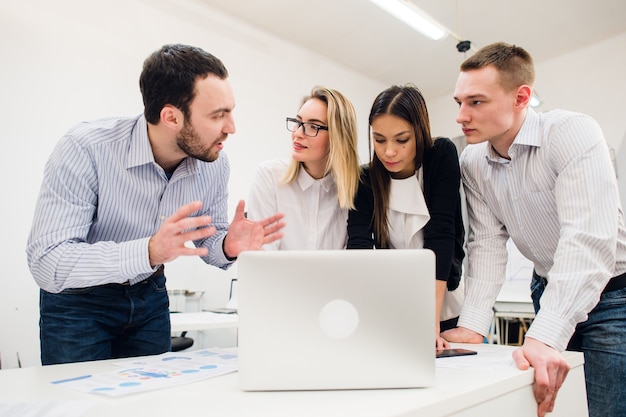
column 547, row 182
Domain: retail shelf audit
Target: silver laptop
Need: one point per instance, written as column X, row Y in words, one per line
column 349, row 319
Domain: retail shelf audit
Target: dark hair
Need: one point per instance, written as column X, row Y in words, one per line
column 514, row 64
column 405, row 102
column 169, row 76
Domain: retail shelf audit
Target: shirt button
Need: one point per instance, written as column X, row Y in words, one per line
column 162, row 218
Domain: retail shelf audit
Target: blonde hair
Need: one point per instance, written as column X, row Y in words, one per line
column 343, row 157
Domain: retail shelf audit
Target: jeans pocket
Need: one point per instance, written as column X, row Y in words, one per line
column 158, row 283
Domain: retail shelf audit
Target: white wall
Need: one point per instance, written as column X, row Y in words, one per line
column 72, row 60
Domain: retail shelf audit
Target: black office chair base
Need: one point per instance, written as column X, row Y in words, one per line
column 181, row 342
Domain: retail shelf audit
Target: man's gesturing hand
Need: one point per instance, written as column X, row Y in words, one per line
column 168, row 243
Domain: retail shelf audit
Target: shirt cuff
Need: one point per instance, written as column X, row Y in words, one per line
column 551, row 330
column 134, row 259
column 219, row 256
column 477, row 320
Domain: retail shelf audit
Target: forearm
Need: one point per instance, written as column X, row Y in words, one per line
column 440, row 292
column 78, row 265
column 585, row 255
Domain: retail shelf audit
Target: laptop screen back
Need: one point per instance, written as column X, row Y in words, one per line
column 352, row 319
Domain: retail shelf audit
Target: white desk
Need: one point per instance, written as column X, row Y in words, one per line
column 469, row 392
column 202, row 320
column 514, row 300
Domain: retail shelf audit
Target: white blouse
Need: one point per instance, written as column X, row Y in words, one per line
column 313, row 217
column 408, row 213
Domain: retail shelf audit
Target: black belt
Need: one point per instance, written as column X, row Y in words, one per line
column 155, row 274
column 616, row 283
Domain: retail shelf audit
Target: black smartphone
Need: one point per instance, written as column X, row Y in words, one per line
column 447, row 353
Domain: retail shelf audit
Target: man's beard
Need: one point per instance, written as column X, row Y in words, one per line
column 190, row 143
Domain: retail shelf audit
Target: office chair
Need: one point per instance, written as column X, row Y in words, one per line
column 177, row 305
column 181, row 342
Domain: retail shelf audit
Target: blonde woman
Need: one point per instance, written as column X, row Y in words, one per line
column 316, row 188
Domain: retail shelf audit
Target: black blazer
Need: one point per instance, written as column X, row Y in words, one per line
column 444, row 233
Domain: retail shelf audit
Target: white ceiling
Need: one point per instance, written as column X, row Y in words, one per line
column 359, row 35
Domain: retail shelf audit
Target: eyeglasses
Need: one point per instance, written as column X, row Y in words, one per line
column 309, row 128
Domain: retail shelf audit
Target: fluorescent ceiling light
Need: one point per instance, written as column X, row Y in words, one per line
column 413, row 16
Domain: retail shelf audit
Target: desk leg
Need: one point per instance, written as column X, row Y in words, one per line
column 494, row 332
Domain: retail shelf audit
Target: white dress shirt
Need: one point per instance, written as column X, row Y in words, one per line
column 313, row 217
column 557, row 199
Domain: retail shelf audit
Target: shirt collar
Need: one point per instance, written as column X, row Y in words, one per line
column 140, row 150
column 305, row 180
column 406, row 196
column 528, row 135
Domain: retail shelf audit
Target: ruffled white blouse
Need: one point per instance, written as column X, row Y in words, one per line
column 408, row 213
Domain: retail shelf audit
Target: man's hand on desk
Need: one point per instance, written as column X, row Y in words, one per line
column 550, row 371
column 550, row 367
column 462, row 335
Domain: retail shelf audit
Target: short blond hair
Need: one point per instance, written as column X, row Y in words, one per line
column 514, row 64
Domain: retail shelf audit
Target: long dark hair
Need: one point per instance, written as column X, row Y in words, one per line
column 405, row 102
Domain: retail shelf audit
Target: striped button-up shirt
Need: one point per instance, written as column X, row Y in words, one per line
column 557, row 199
column 103, row 196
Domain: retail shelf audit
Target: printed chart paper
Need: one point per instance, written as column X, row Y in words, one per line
column 155, row 372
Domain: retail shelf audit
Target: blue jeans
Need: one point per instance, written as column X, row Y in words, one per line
column 105, row 322
column 602, row 339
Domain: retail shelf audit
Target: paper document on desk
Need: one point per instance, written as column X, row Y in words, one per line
column 155, row 372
